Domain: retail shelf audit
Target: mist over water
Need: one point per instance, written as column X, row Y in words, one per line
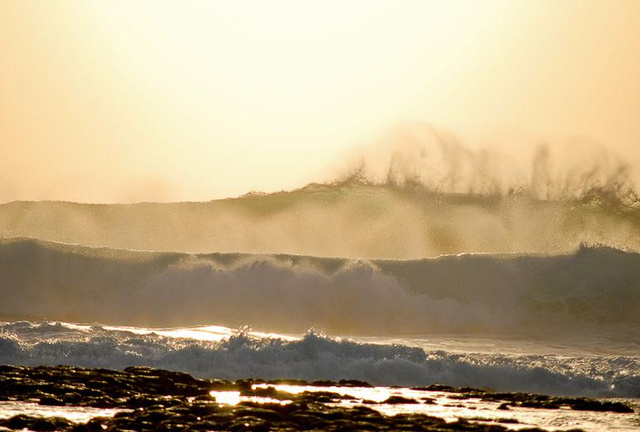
column 421, row 193
column 437, row 161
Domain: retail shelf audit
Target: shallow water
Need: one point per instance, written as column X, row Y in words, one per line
column 450, row 407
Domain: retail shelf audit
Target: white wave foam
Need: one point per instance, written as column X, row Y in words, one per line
column 315, row 356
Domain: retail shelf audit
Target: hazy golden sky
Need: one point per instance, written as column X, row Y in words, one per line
column 147, row 100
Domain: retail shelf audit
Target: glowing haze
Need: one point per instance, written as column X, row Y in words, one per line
column 156, row 101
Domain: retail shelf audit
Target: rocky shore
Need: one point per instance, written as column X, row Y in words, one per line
column 159, row 400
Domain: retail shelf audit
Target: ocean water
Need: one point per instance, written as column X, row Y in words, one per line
column 391, row 284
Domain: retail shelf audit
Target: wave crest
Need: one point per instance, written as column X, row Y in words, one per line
column 418, row 155
column 595, row 290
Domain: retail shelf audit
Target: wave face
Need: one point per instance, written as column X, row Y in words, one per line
column 317, row 357
column 594, row 290
column 400, row 218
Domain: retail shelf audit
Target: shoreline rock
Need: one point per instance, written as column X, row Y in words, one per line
column 161, row 400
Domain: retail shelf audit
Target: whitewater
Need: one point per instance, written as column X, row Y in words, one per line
column 215, row 351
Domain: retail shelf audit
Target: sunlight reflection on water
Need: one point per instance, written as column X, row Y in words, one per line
column 448, row 406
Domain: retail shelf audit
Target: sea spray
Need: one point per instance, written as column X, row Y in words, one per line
column 352, row 219
column 422, row 193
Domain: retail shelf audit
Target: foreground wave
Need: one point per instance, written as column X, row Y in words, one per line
column 591, row 291
column 315, row 356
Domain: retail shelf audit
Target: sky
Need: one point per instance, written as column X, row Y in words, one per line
column 126, row 101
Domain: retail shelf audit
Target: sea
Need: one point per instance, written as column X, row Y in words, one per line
column 395, row 285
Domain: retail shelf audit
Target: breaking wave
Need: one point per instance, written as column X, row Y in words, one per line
column 354, row 218
column 420, row 193
column 315, row 356
column 592, row 290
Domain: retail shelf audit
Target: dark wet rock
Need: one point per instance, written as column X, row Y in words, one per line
column 393, row 400
column 207, row 425
column 72, row 398
column 268, row 392
column 306, row 420
column 353, row 383
column 221, row 418
column 296, row 382
column 323, row 383
column 44, row 425
column 244, row 384
column 221, row 385
column 507, row 421
column 582, row 404
column 51, row 401
column 140, row 401
column 249, row 423
column 322, row 397
column 20, row 422
column 261, row 413
column 200, row 409
column 17, row 422
column 204, row 398
column 158, row 400
column 436, row 387
column 172, row 427
column 530, row 400
column 102, row 402
column 409, row 419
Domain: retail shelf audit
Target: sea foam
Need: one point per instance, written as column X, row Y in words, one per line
column 315, row 356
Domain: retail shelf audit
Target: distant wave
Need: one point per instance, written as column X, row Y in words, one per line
column 318, row 357
column 353, row 218
column 419, row 192
column 590, row 291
